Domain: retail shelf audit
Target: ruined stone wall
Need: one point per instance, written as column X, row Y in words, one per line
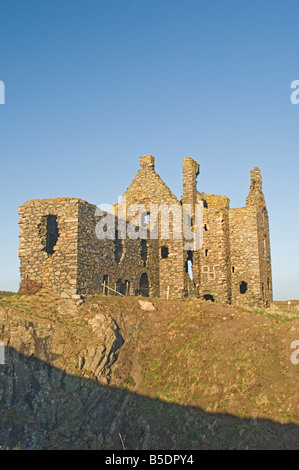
column 56, row 270
column 79, row 260
column 190, row 197
column 59, row 247
column 111, row 260
column 148, row 188
column 245, row 257
column 215, row 280
column 265, row 256
column 255, row 199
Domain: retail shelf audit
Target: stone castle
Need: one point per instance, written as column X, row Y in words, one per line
column 59, row 248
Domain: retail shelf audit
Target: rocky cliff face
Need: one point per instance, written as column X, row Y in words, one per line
column 72, row 380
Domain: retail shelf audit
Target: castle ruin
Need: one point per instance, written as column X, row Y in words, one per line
column 60, row 250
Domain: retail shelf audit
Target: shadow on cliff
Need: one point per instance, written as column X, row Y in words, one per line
column 42, row 407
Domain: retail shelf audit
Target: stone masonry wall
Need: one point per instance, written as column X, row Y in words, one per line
column 57, row 271
column 215, row 252
column 245, row 256
column 59, row 247
column 97, row 259
column 148, row 188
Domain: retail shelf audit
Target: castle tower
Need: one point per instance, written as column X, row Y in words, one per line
column 250, row 248
column 190, row 173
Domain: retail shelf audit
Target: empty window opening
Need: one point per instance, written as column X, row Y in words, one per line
column 206, row 252
column 52, row 234
column 164, row 252
column 189, row 269
column 189, row 264
column 143, row 248
column 243, row 287
column 205, row 227
column 145, row 217
column 143, row 285
column 205, row 204
column 105, row 284
column 123, row 287
column 209, row 297
column 233, row 269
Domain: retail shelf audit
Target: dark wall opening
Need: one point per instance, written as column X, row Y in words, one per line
column 52, row 234
column 189, row 264
column 209, row 297
column 164, row 252
column 123, row 287
column 143, row 286
column 243, row 287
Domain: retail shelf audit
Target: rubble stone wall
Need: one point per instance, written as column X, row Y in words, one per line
column 60, row 247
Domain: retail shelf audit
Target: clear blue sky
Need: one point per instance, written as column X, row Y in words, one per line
column 92, row 85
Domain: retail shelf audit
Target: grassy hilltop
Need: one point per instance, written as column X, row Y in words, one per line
column 186, row 374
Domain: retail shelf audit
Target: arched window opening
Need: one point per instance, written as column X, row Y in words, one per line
column 123, row 287
column 144, row 285
column 164, row 252
column 209, row 297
